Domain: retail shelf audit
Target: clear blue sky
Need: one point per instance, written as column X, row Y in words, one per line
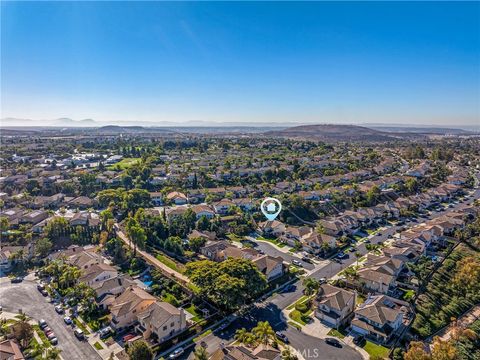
column 222, row 62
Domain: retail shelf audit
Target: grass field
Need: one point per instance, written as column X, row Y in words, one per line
column 169, row 262
column 192, row 309
column 124, row 164
column 375, row 351
column 80, row 325
column 336, row 333
column 273, row 241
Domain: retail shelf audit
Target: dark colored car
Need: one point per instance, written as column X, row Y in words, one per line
column 16, row 280
column 359, row 340
column 282, row 337
column 333, row 342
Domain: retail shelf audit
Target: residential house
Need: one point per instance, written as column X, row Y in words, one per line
column 334, row 306
column 272, row 228
column 380, row 317
column 128, row 305
column 177, row 198
column 240, row 352
column 162, row 320
column 10, row 350
column 271, row 267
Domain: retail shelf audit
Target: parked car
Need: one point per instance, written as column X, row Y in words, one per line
column 46, row 329
column 51, row 336
column 40, row 287
column 67, row 320
column 333, row 342
column 44, row 292
column 297, row 263
column 176, row 353
column 359, row 340
column 16, row 280
column 307, row 260
column 54, row 341
column 79, row 334
column 59, row 309
column 322, row 280
column 282, row 337
column 105, row 332
column 42, row 323
column 128, row 337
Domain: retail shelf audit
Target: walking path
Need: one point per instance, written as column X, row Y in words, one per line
column 154, row 261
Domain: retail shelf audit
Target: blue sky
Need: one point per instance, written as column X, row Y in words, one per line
column 307, row 62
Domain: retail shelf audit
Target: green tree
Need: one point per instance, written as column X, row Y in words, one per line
column 264, row 332
column 43, row 247
column 311, row 286
column 200, row 353
column 139, row 350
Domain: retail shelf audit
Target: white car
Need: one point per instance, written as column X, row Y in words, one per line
column 67, row 320
column 176, row 353
column 297, row 263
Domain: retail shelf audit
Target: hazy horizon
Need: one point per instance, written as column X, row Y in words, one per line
column 127, row 63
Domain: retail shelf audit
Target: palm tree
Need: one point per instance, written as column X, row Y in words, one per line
column 357, row 256
column 351, row 273
column 241, row 335
column 52, row 354
column 264, row 332
column 200, row 353
column 311, row 286
column 288, row 355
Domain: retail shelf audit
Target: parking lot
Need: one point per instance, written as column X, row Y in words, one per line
column 24, row 296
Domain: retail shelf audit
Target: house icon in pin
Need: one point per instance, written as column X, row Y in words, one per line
column 271, row 207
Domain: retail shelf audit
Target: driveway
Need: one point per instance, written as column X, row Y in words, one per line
column 25, row 296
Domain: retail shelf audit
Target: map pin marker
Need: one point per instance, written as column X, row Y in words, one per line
column 271, row 207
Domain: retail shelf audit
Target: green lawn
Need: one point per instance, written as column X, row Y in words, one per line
column 408, row 294
column 201, row 336
column 336, row 333
column 98, row 346
column 169, row 262
column 42, row 335
column 299, row 317
column 299, row 301
column 273, row 241
column 124, row 164
column 375, row 351
column 192, row 309
column 81, row 326
column 234, row 237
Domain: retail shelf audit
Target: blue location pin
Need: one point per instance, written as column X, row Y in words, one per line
column 271, row 207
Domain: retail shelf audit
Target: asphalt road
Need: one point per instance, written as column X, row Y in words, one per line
column 272, row 251
column 26, row 297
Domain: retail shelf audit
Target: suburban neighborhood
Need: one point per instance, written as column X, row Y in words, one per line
column 117, row 246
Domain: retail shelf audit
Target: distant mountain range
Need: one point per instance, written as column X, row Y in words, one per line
column 367, row 132
column 333, row 132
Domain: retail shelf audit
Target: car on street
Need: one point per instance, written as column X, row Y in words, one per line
column 342, row 255
column 44, row 292
column 333, row 342
column 54, row 341
column 297, row 263
column 59, row 309
column 322, row 280
column 51, row 336
column 288, row 288
column 79, row 334
column 282, row 337
column 307, row 260
column 67, row 320
column 43, row 324
column 40, row 287
column 16, row 280
column 176, row 353
column 105, row 332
